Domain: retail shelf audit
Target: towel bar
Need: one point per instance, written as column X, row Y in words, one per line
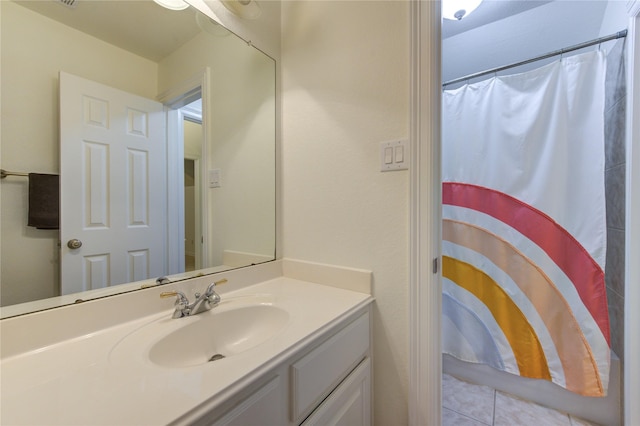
column 4, row 173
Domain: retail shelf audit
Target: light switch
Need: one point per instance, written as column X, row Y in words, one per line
column 388, row 155
column 214, row 178
column 394, row 155
column 399, row 154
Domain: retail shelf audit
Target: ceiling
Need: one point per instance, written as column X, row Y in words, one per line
column 139, row 26
column 488, row 11
column 488, row 42
column 153, row 32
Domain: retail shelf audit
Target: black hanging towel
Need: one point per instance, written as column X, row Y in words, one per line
column 44, row 201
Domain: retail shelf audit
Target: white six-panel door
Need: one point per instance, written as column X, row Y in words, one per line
column 112, row 186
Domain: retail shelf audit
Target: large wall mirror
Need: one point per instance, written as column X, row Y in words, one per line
column 156, row 126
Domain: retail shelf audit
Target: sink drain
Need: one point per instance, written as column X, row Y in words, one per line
column 216, row 357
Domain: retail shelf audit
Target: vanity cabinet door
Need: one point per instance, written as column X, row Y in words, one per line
column 349, row 404
column 316, row 374
column 265, row 407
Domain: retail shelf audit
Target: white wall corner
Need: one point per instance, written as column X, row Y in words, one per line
column 335, row 276
column 633, row 7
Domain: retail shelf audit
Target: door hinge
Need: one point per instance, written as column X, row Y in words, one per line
column 435, row 265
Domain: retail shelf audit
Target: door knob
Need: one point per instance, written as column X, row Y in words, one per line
column 74, row 244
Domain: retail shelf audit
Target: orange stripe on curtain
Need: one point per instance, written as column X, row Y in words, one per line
column 521, row 336
column 578, row 362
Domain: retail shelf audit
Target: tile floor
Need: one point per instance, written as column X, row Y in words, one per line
column 467, row 404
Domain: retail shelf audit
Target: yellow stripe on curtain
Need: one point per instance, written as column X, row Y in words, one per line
column 521, row 336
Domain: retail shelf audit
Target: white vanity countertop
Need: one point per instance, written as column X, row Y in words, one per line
column 91, row 380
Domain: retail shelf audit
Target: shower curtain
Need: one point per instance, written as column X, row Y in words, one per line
column 524, row 232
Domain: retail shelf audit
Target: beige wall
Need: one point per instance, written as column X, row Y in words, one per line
column 345, row 89
column 34, row 49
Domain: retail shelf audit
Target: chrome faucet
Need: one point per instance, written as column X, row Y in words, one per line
column 204, row 302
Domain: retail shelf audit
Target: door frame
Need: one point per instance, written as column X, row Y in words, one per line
column 175, row 97
column 425, row 286
column 425, row 396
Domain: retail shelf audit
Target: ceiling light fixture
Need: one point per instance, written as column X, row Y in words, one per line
column 173, row 4
column 455, row 10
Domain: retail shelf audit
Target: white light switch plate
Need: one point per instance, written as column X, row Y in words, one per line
column 214, row 178
column 394, row 155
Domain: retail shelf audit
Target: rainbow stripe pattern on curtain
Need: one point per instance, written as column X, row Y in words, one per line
column 524, row 227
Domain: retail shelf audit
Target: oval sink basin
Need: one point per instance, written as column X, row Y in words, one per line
column 215, row 335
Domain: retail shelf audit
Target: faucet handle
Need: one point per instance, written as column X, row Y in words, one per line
column 181, row 297
column 181, row 305
column 211, row 296
column 211, row 288
column 166, row 294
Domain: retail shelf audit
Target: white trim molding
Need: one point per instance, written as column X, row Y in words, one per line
column 425, row 357
column 632, row 225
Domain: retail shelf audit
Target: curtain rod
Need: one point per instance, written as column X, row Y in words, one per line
column 619, row 34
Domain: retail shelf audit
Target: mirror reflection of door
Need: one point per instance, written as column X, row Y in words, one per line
column 113, row 153
column 193, row 142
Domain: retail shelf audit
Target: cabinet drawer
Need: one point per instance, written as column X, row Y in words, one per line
column 349, row 404
column 316, row 374
column 265, row 406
